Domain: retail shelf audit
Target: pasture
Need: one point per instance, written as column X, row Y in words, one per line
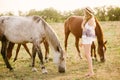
column 76, row 69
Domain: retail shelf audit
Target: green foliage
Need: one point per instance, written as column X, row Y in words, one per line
column 66, row 14
column 108, row 13
column 78, row 12
column 114, row 13
column 101, row 13
column 7, row 14
column 51, row 15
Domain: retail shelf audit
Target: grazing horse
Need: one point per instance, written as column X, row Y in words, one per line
column 32, row 29
column 73, row 25
column 11, row 45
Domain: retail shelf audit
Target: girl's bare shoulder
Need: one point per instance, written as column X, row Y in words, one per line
column 91, row 22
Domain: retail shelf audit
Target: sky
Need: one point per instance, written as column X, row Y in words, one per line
column 60, row 5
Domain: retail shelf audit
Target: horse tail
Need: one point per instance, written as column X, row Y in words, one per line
column 66, row 26
column 65, row 32
column 98, row 31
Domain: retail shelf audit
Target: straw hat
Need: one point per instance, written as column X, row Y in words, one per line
column 89, row 10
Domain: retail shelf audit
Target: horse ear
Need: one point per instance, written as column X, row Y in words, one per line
column 105, row 42
column 104, row 45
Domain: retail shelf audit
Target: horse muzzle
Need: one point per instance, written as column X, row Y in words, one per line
column 61, row 69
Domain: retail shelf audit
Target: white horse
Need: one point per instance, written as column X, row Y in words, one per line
column 31, row 29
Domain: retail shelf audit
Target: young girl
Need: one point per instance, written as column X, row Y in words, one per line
column 88, row 36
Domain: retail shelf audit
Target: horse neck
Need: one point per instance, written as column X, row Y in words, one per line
column 99, row 33
column 52, row 38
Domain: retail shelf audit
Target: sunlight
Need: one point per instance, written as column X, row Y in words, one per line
column 61, row 5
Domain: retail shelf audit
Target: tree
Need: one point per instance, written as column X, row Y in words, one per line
column 101, row 13
column 51, row 15
column 113, row 13
column 78, row 12
column 9, row 14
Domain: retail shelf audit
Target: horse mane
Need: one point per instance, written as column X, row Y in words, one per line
column 98, row 32
column 36, row 18
column 52, row 37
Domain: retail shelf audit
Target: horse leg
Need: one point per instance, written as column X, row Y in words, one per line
column 46, row 45
column 17, row 51
column 9, row 50
column 95, row 56
column 26, row 48
column 67, row 32
column 34, row 50
column 77, row 46
column 36, row 47
column 41, row 59
column 4, row 52
column 93, row 51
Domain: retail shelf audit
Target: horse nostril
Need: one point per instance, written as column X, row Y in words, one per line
column 61, row 69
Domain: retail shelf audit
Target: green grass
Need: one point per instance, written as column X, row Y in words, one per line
column 110, row 70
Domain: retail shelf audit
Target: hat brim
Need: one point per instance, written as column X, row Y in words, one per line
column 89, row 11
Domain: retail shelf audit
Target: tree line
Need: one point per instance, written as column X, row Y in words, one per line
column 103, row 13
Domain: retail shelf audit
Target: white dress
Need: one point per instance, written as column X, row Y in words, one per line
column 88, row 35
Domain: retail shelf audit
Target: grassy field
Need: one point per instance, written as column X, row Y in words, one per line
column 110, row 70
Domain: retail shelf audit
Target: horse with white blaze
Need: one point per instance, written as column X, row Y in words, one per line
column 32, row 29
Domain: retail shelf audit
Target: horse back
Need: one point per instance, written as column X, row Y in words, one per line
column 19, row 29
column 73, row 24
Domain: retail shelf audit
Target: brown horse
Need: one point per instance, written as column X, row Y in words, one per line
column 73, row 25
column 10, row 48
column 11, row 45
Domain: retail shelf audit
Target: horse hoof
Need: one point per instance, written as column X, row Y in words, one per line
column 44, row 71
column 14, row 60
column 102, row 60
column 11, row 69
column 34, row 70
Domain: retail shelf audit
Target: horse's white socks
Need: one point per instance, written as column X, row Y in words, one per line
column 44, row 71
column 34, row 69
